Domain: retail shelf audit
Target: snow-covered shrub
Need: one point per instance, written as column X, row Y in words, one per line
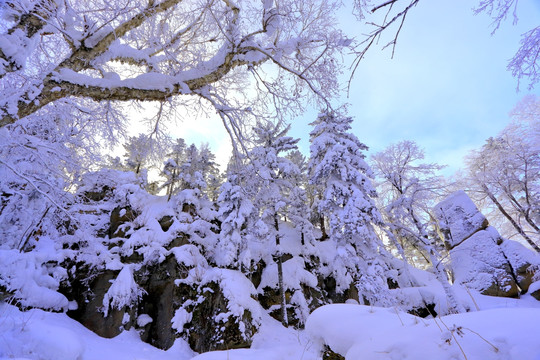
column 219, row 311
column 123, row 292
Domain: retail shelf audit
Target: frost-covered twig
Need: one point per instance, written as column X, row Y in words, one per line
column 28, row 180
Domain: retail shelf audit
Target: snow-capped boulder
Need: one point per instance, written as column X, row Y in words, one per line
column 525, row 263
column 218, row 311
column 480, row 264
column 458, row 218
column 477, row 260
column 534, row 289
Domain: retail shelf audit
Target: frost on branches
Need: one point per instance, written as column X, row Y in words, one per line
column 90, row 57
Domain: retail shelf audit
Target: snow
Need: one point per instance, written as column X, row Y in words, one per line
column 294, row 274
column 124, row 291
column 503, row 329
column 535, row 286
column 180, row 318
column 33, row 283
column 479, row 262
column 363, row 332
column 146, row 81
column 17, row 47
column 37, row 334
column 459, row 218
column 143, row 320
column 519, row 256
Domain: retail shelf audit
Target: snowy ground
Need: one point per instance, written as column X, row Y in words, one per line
column 502, row 329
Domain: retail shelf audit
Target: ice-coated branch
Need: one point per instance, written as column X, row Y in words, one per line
column 159, row 50
column 32, row 183
column 498, row 10
column 97, row 43
column 526, row 62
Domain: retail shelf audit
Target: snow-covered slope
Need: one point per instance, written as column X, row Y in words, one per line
column 502, row 329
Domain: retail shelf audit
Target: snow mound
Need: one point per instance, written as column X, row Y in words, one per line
column 363, row 332
column 37, row 334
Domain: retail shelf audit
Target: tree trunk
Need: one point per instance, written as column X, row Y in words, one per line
column 323, row 228
column 435, row 259
column 507, row 216
column 521, row 210
column 278, row 260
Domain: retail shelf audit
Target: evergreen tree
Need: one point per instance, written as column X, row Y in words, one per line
column 273, row 183
column 235, row 212
column 337, row 167
column 171, row 168
column 190, row 168
column 207, row 166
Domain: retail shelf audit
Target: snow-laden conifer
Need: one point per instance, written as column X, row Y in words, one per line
column 272, row 185
column 235, row 210
column 337, row 167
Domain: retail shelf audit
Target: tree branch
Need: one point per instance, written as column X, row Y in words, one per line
column 29, row 23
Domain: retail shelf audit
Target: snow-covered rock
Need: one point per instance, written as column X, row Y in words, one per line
column 525, row 263
column 534, row 289
column 477, row 260
column 479, row 263
column 458, row 218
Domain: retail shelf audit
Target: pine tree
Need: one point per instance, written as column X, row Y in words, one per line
column 274, row 176
column 171, row 167
column 236, row 211
column 338, row 169
column 208, row 167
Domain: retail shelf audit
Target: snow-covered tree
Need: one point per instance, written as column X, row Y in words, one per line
column 273, row 180
column 236, row 213
column 209, row 169
column 171, row 167
column 338, row 166
column 409, row 191
column 94, row 56
column 137, row 155
column 189, row 168
column 299, row 211
column 506, row 170
column 82, row 69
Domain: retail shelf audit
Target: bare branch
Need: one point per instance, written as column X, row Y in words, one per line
column 378, row 31
column 389, row 2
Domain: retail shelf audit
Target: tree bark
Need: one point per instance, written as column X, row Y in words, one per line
column 278, row 260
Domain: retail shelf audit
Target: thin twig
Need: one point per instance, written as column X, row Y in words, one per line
column 36, row 187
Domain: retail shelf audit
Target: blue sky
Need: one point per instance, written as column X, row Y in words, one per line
column 447, row 87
